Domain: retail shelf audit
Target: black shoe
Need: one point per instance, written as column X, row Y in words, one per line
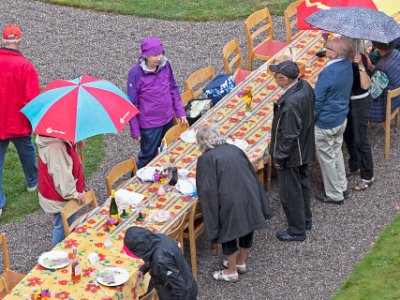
column 347, row 195
column 284, row 236
column 326, row 199
column 309, row 226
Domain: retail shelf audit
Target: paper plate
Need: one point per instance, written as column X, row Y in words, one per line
column 160, row 216
column 132, row 198
column 186, row 186
column 189, row 136
column 146, row 173
column 54, row 259
column 113, row 276
column 242, row 144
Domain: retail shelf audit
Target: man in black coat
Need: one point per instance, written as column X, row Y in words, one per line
column 170, row 273
column 292, row 148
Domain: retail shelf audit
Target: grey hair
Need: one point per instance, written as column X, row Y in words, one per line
column 356, row 45
column 208, row 137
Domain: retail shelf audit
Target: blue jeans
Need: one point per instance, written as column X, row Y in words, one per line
column 149, row 143
column 58, row 231
column 27, row 156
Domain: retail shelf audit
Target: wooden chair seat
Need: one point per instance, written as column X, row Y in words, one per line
column 8, row 279
column 72, row 207
column 268, row 49
column 241, row 75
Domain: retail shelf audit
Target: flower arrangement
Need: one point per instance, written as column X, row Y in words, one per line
column 109, row 225
column 247, row 96
column 161, row 176
column 41, row 295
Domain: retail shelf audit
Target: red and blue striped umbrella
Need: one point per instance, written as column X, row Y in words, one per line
column 77, row 109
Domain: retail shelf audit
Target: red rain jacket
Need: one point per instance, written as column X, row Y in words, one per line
column 19, row 83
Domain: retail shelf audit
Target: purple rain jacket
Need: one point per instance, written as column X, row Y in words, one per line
column 155, row 94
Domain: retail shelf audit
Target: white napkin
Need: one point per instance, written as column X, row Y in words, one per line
column 186, row 186
column 125, row 196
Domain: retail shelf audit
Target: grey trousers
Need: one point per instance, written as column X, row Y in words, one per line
column 328, row 143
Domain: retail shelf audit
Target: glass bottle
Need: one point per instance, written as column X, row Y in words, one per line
column 75, row 267
column 174, row 171
column 114, row 209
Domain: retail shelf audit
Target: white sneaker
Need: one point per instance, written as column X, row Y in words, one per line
column 32, row 189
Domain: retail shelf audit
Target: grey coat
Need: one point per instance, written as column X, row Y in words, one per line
column 230, row 194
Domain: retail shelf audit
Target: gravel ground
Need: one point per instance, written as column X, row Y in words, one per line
column 65, row 43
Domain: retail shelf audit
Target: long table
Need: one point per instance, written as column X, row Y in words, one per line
column 90, row 236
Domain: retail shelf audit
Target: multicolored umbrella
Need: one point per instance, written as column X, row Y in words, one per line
column 308, row 7
column 357, row 22
column 79, row 108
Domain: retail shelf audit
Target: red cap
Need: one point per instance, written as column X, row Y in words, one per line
column 12, row 33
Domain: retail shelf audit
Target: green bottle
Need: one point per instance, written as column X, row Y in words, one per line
column 114, row 209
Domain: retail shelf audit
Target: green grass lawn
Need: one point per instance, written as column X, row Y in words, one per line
column 377, row 275
column 19, row 201
column 200, row 10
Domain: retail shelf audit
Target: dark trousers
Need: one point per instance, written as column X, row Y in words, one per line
column 295, row 193
column 149, row 143
column 230, row 247
column 356, row 138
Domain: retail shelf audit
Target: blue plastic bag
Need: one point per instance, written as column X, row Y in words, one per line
column 220, row 86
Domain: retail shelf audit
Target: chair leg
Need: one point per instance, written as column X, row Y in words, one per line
column 260, row 174
column 269, row 174
column 387, row 139
column 193, row 255
column 249, row 61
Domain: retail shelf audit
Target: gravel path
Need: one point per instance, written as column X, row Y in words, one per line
column 65, row 43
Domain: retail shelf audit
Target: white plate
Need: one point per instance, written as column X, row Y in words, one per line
column 160, row 216
column 188, row 136
column 242, row 144
column 146, row 173
column 54, row 259
column 125, row 196
column 186, row 186
column 113, row 276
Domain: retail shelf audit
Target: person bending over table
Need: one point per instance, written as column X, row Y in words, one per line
column 170, row 273
column 60, row 180
column 232, row 199
column 153, row 90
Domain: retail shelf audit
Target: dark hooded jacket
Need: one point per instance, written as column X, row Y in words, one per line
column 292, row 138
column 170, row 273
column 231, row 197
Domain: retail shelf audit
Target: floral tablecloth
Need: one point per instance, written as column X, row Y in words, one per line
column 230, row 114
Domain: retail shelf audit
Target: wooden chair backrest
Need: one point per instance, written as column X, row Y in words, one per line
column 389, row 116
column 176, row 233
column 6, row 257
column 261, row 22
column 173, row 133
column 121, row 169
column 72, row 207
column 199, row 78
column 150, row 296
column 234, row 65
column 186, row 97
column 291, row 18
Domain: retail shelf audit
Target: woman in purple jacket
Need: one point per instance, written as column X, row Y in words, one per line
column 153, row 90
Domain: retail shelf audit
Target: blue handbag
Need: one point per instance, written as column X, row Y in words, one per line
column 221, row 85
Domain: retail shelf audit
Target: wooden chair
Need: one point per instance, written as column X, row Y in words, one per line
column 232, row 49
column 389, row 116
column 199, row 78
column 261, row 173
column 8, row 279
column 194, row 229
column 291, row 19
column 118, row 171
column 72, row 207
column 260, row 23
column 176, row 233
column 186, row 97
column 172, row 134
column 152, row 295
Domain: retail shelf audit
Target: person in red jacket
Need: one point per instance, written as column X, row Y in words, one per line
column 19, row 83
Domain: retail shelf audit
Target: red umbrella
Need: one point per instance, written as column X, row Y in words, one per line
column 80, row 108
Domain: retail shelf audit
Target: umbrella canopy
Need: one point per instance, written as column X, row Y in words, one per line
column 308, row 7
column 80, row 108
column 357, row 22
